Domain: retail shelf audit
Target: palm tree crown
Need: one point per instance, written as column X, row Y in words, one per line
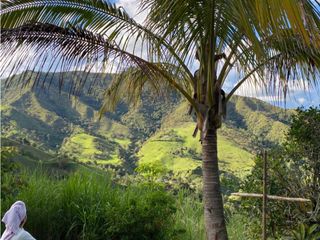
column 253, row 36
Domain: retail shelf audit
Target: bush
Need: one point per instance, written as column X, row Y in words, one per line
column 11, row 181
column 91, row 207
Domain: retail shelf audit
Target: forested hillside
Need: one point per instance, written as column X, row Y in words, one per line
column 158, row 131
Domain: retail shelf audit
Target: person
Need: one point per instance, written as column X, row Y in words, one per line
column 14, row 220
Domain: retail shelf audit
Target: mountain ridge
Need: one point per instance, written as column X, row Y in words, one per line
column 58, row 122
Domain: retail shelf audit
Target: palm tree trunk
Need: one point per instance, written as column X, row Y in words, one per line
column 213, row 205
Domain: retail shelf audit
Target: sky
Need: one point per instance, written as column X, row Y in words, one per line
column 308, row 95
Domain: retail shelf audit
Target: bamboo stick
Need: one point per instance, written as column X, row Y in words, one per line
column 259, row 195
column 264, row 197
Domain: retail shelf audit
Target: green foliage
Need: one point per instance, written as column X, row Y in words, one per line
column 237, row 227
column 57, row 122
column 174, row 147
column 31, row 157
column 179, row 152
column 263, row 35
column 304, row 232
column 305, row 128
column 261, row 120
column 90, row 207
column 303, row 149
column 229, row 183
column 189, row 217
column 146, row 118
column 151, row 171
column 281, row 214
column 293, row 171
column 6, row 154
column 11, row 180
column 87, row 148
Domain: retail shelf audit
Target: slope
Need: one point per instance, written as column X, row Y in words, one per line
column 248, row 122
column 156, row 131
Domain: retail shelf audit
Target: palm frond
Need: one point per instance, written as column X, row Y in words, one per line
column 290, row 60
column 250, row 34
column 298, row 63
column 97, row 16
column 132, row 81
column 73, row 48
column 185, row 22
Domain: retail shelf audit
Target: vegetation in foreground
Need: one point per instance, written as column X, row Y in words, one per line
column 91, row 207
column 293, row 171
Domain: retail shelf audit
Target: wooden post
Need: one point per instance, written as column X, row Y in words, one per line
column 264, row 197
column 264, row 203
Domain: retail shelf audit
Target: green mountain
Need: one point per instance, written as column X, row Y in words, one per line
column 249, row 121
column 157, row 132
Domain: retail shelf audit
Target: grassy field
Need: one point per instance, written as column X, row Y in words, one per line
column 87, row 148
column 179, row 152
column 113, row 130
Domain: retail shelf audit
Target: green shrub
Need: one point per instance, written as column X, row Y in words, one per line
column 11, row 181
column 91, row 207
column 305, row 232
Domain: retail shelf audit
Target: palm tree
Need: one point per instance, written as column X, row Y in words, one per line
column 270, row 43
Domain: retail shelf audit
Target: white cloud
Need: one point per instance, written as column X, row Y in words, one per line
column 301, row 100
column 132, row 8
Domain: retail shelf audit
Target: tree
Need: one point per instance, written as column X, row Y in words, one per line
column 303, row 149
column 293, row 171
column 270, row 42
column 283, row 180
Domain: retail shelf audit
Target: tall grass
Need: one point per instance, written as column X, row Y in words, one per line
column 237, row 227
column 189, row 216
column 91, row 207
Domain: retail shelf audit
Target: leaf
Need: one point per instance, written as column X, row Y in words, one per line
column 312, row 229
column 302, row 229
